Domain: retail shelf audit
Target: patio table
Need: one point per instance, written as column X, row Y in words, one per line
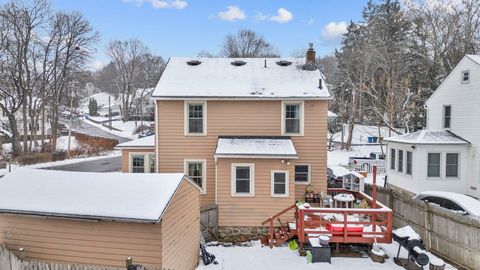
column 344, row 198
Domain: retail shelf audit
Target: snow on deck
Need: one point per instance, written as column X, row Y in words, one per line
column 256, row 146
column 148, row 141
column 428, row 137
column 217, row 77
column 110, row 196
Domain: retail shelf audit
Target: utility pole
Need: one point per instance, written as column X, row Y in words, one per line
column 70, row 123
column 109, row 113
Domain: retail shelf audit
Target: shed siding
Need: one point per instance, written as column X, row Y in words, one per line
column 79, row 241
column 181, row 229
column 237, row 118
column 251, row 211
column 126, row 158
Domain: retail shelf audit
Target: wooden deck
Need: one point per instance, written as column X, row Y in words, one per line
column 343, row 225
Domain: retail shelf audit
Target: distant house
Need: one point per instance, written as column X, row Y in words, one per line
column 332, row 119
column 445, row 156
column 251, row 132
column 101, row 218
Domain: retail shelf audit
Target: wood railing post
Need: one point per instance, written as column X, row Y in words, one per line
column 345, row 228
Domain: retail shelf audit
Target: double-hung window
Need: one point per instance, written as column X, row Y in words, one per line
column 195, row 114
column 195, row 169
column 292, row 118
column 302, row 174
column 138, row 163
column 465, row 76
column 433, row 166
column 392, row 159
column 451, row 166
column 400, row 161
column 409, row 163
column 242, row 180
column 447, row 116
column 279, row 184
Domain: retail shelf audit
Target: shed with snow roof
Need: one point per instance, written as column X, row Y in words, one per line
column 101, row 218
column 138, row 156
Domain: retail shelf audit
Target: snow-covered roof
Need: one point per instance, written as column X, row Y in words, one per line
column 339, row 170
column 218, row 78
column 332, row 114
column 469, row 204
column 474, row 57
column 428, row 137
column 248, row 146
column 87, row 195
column 145, row 142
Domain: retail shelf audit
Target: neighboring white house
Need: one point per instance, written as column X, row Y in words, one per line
column 445, row 156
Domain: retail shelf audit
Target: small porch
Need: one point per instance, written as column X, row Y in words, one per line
column 365, row 223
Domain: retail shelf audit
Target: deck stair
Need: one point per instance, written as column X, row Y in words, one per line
column 279, row 231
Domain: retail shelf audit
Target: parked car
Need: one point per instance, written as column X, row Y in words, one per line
column 375, row 158
column 453, row 201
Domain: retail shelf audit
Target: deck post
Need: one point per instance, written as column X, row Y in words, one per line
column 271, row 233
column 345, row 226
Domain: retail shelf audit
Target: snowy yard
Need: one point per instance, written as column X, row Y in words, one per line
column 256, row 257
column 127, row 128
column 62, row 144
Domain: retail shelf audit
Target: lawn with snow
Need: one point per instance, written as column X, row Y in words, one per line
column 362, row 132
column 62, row 144
column 278, row 258
column 127, row 128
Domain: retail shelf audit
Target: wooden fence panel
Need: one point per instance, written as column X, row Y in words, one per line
column 447, row 233
column 209, row 222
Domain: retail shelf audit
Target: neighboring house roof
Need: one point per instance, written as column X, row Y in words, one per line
column 145, row 142
column 218, row 78
column 339, row 170
column 87, row 195
column 428, row 137
column 474, row 57
column 249, row 146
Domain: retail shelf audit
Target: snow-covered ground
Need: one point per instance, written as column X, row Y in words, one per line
column 361, row 133
column 62, row 144
column 278, row 258
column 128, row 128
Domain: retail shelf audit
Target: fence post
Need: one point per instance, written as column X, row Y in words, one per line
column 390, row 198
column 428, row 229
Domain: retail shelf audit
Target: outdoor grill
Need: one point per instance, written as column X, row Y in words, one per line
column 416, row 252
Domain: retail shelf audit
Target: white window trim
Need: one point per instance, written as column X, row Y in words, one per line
column 185, row 118
column 458, row 166
column 441, row 167
column 287, row 183
column 146, row 160
column 461, row 77
column 309, row 174
column 302, row 117
column 392, row 159
column 252, row 180
column 443, row 116
column 406, row 163
column 203, row 188
column 402, row 171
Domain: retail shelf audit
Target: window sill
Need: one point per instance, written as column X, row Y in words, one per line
column 292, row 134
column 195, row 134
column 242, row 195
column 280, row 196
column 303, row 183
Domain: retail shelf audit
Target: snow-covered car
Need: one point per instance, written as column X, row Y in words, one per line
column 454, row 201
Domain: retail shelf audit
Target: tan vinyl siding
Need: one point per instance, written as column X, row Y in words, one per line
column 79, row 241
column 181, row 229
column 252, row 210
column 126, row 157
column 236, row 118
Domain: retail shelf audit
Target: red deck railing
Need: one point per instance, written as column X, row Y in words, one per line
column 343, row 225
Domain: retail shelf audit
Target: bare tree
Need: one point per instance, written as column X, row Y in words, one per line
column 247, row 43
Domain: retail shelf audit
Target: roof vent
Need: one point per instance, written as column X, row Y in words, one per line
column 194, row 63
column 284, row 63
column 238, row 63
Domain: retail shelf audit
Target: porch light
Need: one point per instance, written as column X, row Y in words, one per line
column 21, row 253
column 128, row 262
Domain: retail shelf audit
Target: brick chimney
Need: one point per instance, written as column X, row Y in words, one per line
column 310, row 58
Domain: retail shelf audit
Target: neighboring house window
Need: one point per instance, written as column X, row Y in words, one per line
column 447, row 116
column 465, row 76
column 400, row 160
column 151, row 159
column 392, row 159
column 195, row 169
column 433, row 167
column 196, row 118
column 242, row 179
column 292, row 118
column 409, row 162
column 279, row 184
column 302, row 174
column 138, row 163
column 451, row 168
column 142, row 163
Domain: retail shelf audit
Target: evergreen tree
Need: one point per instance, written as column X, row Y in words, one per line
column 92, row 107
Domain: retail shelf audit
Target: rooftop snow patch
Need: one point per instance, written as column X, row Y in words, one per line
column 332, row 114
column 474, row 57
column 218, row 78
column 86, row 195
column 274, row 147
column 145, row 142
column 428, row 137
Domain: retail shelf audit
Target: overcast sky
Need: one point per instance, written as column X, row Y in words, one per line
column 186, row 27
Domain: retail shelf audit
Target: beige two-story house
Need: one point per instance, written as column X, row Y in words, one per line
column 251, row 132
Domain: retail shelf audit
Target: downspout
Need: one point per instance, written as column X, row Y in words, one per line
column 216, row 185
column 157, row 160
